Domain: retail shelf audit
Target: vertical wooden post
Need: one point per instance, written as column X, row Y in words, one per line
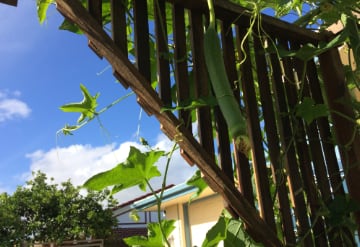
column 345, row 130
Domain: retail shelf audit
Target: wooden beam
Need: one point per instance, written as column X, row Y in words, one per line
column 346, row 131
column 74, row 11
column 226, row 10
column 9, row 2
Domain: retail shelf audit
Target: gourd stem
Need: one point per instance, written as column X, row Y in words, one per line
column 211, row 13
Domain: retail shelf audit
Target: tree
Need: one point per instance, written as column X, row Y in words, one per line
column 52, row 213
column 10, row 223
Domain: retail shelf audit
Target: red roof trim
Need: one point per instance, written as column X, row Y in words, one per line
column 140, row 197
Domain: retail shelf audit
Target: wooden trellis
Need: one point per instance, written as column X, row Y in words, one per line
column 298, row 159
column 9, row 2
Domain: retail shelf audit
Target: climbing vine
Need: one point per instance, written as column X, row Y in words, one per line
column 140, row 167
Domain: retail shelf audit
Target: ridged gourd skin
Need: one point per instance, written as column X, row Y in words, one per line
column 223, row 91
column 221, row 86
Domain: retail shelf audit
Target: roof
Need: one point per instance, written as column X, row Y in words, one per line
column 122, row 205
column 169, row 194
column 173, row 194
column 178, row 194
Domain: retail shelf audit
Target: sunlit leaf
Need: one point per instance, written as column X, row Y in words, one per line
column 217, row 233
column 87, row 107
column 134, row 171
column 70, row 26
column 154, row 238
column 42, row 7
column 230, row 231
column 197, row 181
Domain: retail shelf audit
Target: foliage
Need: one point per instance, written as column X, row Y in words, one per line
column 337, row 212
column 155, row 235
column 140, row 167
column 11, row 230
column 198, row 182
column 230, row 231
column 46, row 212
column 137, row 169
column 309, row 111
column 87, row 107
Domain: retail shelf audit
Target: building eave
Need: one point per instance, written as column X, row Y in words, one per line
column 168, row 195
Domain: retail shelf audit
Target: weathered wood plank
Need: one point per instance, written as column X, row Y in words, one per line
column 141, row 38
column 289, row 157
column 9, row 2
column 242, row 162
column 75, row 12
column 255, row 136
column 226, row 10
column 346, row 135
column 202, row 84
column 162, row 53
column 181, row 69
column 118, row 25
column 272, row 135
column 325, row 133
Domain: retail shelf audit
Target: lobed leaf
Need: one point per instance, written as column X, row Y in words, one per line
column 309, row 110
column 136, row 170
column 197, row 181
column 87, row 107
column 42, row 7
column 154, row 238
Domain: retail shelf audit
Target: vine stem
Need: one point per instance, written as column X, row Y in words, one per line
column 159, row 198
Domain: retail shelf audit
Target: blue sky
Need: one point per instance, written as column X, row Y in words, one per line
column 41, row 69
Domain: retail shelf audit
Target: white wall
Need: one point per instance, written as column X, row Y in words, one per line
column 203, row 214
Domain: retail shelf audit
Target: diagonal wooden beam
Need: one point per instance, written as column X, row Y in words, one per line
column 175, row 130
column 9, row 2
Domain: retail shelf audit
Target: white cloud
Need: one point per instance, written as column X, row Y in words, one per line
column 11, row 107
column 80, row 162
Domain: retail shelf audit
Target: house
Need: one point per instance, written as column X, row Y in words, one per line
column 127, row 227
column 193, row 220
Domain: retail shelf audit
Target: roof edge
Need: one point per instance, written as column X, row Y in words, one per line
column 169, row 194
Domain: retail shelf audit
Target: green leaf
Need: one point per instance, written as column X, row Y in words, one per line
column 42, row 7
column 154, row 238
column 217, row 233
column 137, row 169
column 200, row 184
column 87, row 107
column 235, row 234
column 309, row 111
column 134, row 215
column 230, row 231
column 340, row 209
column 309, row 51
column 351, row 27
column 70, row 26
column 193, row 104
